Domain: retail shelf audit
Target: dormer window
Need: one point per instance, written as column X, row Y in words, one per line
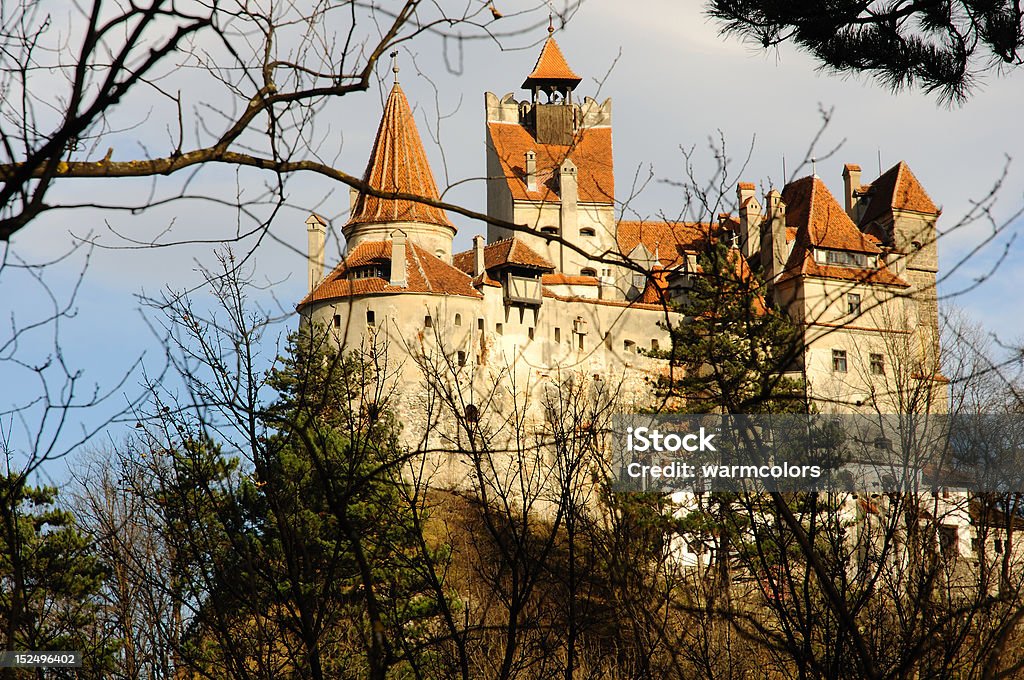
column 844, row 258
column 587, row 231
column 366, row 272
column 549, row 230
column 588, row 271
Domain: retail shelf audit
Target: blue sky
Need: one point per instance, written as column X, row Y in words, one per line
column 674, row 83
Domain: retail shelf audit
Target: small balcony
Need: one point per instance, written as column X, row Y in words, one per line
column 523, row 290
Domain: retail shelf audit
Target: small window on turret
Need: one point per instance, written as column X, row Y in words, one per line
column 337, row 320
column 371, row 318
column 587, row 231
column 462, row 358
column 458, row 319
column 428, row 322
column 480, row 324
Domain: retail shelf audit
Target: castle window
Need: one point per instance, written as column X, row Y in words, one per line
column 877, row 364
column 948, row 541
column 588, row 271
column 853, row 303
column 844, row 258
column 558, row 334
column 458, row 319
column 462, row 358
column 998, row 546
column 371, row 271
column 371, row 318
column 529, row 332
column 549, row 230
column 428, row 321
column 581, row 336
column 654, row 345
column 472, row 413
column 480, row 324
column 629, row 346
column 337, row 320
column 587, row 231
column 499, row 329
column 839, row 361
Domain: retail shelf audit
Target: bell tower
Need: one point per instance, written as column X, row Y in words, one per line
column 554, row 118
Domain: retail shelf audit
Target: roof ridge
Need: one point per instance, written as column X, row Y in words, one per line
column 414, row 252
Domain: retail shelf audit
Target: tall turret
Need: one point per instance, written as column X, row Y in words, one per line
column 398, row 164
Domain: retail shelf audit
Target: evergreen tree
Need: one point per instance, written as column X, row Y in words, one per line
column 732, row 345
column 939, row 45
column 50, row 579
column 324, row 561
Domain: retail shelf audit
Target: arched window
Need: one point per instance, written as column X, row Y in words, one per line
column 587, row 231
column 458, row 319
column 588, row 271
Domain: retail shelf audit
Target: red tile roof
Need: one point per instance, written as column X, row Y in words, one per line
column 551, row 65
column 897, row 189
column 801, row 262
column 656, row 290
column 425, row 273
column 668, row 240
column 820, row 220
column 567, row 280
column 509, row 251
column 591, row 151
column 398, row 164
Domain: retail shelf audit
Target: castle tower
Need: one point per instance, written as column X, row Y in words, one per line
column 549, row 166
column 399, row 164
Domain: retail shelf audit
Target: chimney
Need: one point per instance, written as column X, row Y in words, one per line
column 774, row 249
column 750, row 219
column 531, row 170
column 851, row 185
column 478, row 255
column 398, row 273
column 568, row 192
column 353, row 198
column 316, row 229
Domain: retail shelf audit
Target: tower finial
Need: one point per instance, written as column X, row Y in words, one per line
column 551, row 23
column 814, row 166
column 394, row 64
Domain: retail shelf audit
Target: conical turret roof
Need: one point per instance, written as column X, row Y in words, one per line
column 398, row 164
column 551, row 67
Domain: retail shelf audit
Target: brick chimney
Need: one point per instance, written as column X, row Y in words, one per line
column 398, row 245
column 316, row 228
column 478, row 255
column 568, row 192
column 774, row 249
column 851, row 185
column 750, row 219
column 531, row 170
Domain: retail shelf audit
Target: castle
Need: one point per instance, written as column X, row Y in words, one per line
column 573, row 288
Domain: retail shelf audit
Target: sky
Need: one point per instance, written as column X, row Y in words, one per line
column 675, row 84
